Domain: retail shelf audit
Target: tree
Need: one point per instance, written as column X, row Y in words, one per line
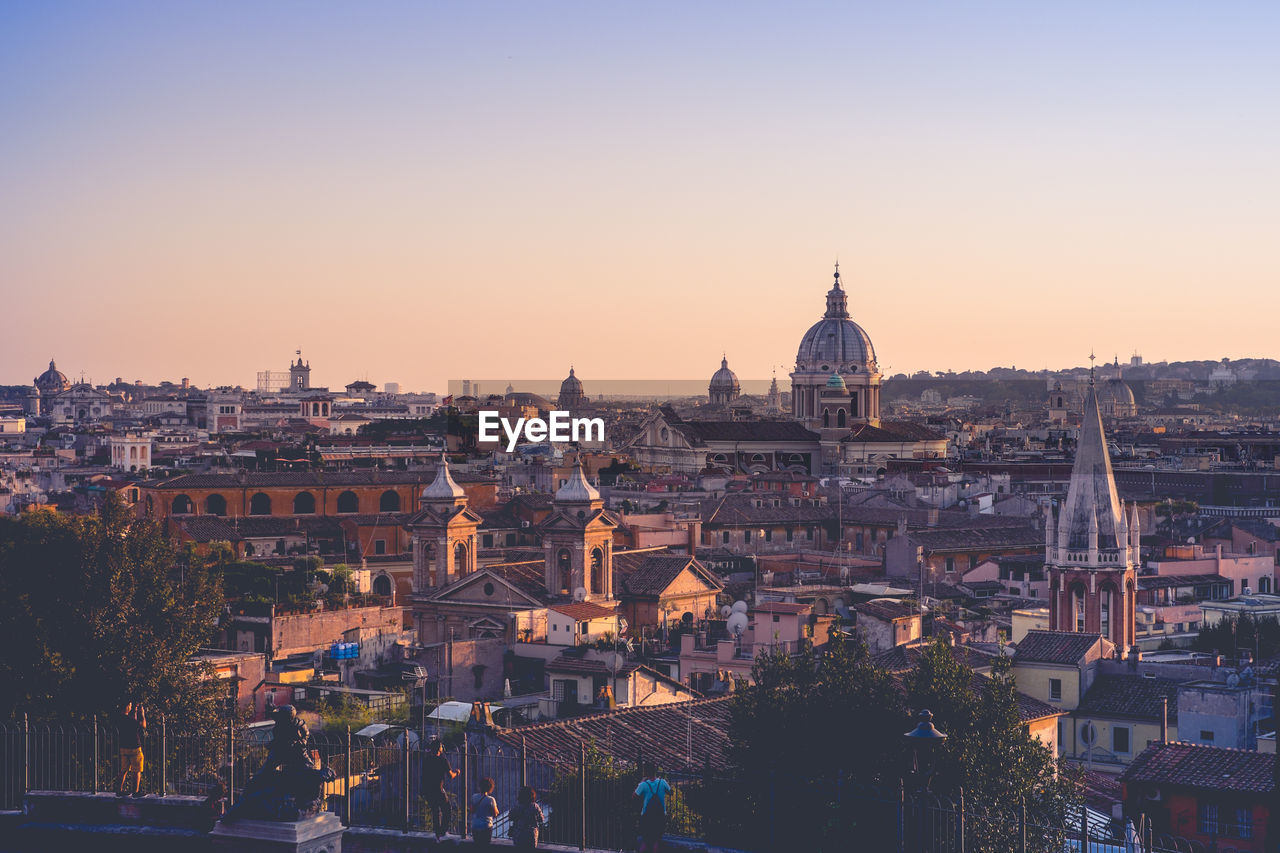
column 989, row 751
column 96, row 611
column 811, row 727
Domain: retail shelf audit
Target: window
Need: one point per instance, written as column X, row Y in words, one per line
column 379, row 546
column 1120, row 740
column 389, row 502
column 1206, row 736
column 260, row 504
column 768, row 536
column 304, row 503
column 1105, row 610
column 1208, row 823
column 951, row 565
column 746, row 536
column 790, row 534
column 1244, row 823
column 724, row 537
column 1055, row 688
column 488, row 589
column 973, row 561
column 1077, row 606
column 488, row 540
column 348, row 502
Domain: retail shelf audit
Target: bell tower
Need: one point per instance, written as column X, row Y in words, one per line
column 1092, row 545
column 578, row 542
column 444, row 534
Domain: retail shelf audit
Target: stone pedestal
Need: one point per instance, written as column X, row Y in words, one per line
column 319, row 834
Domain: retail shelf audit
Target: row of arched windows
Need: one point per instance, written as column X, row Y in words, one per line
column 304, row 503
column 595, row 578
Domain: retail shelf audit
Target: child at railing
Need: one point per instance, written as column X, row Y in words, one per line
column 526, row 820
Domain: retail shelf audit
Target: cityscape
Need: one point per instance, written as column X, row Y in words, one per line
column 686, row 557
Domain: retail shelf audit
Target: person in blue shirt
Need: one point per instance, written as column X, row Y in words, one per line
column 652, row 793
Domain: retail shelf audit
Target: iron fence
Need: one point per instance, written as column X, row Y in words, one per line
column 587, row 798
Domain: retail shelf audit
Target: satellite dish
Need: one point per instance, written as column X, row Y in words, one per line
column 579, row 594
column 1088, row 733
column 725, row 611
column 739, row 607
column 737, row 624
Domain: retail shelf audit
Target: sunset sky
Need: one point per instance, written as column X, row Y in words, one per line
column 414, row 192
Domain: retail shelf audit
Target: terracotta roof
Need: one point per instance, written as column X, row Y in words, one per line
column 742, row 509
column 207, row 528
column 700, row 432
column 969, row 538
column 1055, row 646
column 311, row 479
column 901, row 659
column 583, row 610
column 1130, row 696
column 892, row 432
column 653, row 573
column 677, row 736
column 1213, row 768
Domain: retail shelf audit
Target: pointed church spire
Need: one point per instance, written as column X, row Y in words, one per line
column 1092, row 491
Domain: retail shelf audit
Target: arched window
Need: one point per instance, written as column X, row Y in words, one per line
column 840, row 417
column 460, row 559
column 826, row 418
column 304, row 503
column 853, row 406
column 1104, row 609
column 597, row 572
column 259, row 504
column 389, row 502
column 182, row 505
column 1264, row 584
column 382, row 585
column 1077, row 608
column 564, row 566
column 348, row 502
column 215, row 505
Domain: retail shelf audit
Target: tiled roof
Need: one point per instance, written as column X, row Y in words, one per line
column 265, row 525
column 1130, row 696
column 583, row 610
column 1212, row 768
column 207, row 528
column 1055, row 646
column 893, row 432
column 970, row 538
column 700, row 432
column 524, row 576
column 887, row 610
column 742, row 509
column 653, row 573
column 677, row 736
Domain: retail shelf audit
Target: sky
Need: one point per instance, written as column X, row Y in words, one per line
column 416, row 192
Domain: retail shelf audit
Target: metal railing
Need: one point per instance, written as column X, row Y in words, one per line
column 587, row 798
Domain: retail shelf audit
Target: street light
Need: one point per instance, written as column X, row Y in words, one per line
column 923, row 740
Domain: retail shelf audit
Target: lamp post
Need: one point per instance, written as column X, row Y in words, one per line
column 924, row 740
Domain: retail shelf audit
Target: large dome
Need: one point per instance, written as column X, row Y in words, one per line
column 836, row 343
column 1117, row 392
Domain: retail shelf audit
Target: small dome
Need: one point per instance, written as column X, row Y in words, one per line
column 1116, row 392
column 443, row 486
column 724, row 379
column 571, row 385
column 576, row 489
column 835, row 383
column 52, row 380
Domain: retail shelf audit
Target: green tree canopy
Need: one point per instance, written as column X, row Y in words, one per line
column 96, row 611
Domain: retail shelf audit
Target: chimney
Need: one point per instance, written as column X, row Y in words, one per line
column 1164, row 719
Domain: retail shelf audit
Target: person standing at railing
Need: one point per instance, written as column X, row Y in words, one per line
column 653, row 793
column 484, row 808
column 131, row 725
column 435, row 772
column 527, row 820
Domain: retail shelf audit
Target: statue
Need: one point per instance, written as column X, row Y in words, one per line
column 290, row 784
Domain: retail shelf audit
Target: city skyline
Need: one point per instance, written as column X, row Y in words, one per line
column 415, row 193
